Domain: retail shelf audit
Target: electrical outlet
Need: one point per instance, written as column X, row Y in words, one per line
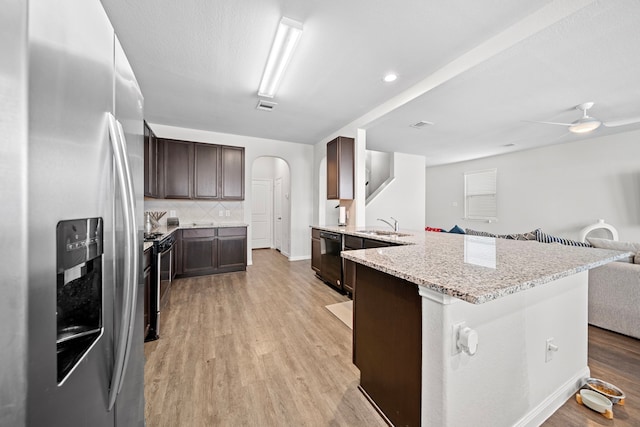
column 457, row 327
column 550, row 349
column 220, row 213
column 228, row 213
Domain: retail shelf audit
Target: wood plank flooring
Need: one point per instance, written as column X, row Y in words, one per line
column 257, row 349
column 260, row 349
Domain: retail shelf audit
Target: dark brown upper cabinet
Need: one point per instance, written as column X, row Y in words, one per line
column 232, row 173
column 201, row 171
column 178, row 169
column 340, row 168
column 207, row 159
column 151, row 161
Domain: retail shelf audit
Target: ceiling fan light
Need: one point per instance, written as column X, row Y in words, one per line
column 585, row 125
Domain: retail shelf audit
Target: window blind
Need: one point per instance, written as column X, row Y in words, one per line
column 480, row 195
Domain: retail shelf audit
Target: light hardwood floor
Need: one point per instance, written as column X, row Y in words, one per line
column 260, row 349
column 256, row 348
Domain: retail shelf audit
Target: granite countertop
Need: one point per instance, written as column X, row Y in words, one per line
column 167, row 230
column 399, row 238
column 473, row 268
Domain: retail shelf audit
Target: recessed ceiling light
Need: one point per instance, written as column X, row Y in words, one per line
column 391, row 77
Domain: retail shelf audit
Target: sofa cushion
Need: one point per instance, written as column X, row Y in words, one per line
column 547, row 238
column 531, row 235
column 617, row 246
column 480, row 233
column 457, row 230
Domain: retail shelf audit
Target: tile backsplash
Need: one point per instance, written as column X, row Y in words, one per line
column 198, row 211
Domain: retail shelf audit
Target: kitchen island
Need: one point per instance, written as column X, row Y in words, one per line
column 524, row 301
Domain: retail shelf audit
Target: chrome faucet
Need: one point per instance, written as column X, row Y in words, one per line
column 394, row 225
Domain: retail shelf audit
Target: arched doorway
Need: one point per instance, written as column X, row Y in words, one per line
column 270, row 204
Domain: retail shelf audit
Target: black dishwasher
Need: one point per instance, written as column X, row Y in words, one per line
column 330, row 261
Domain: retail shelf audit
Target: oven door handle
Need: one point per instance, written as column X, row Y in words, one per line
column 125, row 181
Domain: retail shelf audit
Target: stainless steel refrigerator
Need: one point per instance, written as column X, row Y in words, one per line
column 81, row 176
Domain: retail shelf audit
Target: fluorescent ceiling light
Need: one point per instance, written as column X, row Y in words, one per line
column 285, row 42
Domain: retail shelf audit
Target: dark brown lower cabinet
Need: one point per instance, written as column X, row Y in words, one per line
column 387, row 344
column 316, row 248
column 212, row 250
column 232, row 249
column 199, row 250
column 348, row 276
column 349, row 268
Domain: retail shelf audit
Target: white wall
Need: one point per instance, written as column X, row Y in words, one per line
column 510, row 359
column 299, row 157
column 404, row 197
column 560, row 188
column 378, row 169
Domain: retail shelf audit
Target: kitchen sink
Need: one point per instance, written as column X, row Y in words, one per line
column 384, row 233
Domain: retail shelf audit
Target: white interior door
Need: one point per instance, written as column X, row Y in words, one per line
column 261, row 213
column 277, row 203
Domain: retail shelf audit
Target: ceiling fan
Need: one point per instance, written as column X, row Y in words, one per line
column 587, row 123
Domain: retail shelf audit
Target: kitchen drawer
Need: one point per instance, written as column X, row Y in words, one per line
column 232, row 231
column 195, row 233
column 352, row 242
column 315, row 233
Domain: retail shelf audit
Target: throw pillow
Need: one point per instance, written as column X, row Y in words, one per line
column 456, row 230
column 547, row 238
column 480, row 233
column 617, row 246
column 531, row 235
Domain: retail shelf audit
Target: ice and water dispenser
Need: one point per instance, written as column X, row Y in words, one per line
column 79, row 290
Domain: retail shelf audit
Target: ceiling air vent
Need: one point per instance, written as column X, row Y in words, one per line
column 266, row 105
column 421, row 124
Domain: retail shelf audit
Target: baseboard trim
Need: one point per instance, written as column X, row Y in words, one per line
column 554, row 401
column 299, row 258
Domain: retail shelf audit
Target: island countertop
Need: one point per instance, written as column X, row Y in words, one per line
column 473, row 268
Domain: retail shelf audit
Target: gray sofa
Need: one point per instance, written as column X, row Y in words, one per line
column 614, row 288
column 614, row 291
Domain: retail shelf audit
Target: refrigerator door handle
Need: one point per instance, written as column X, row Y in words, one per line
column 135, row 256
column 123, row 174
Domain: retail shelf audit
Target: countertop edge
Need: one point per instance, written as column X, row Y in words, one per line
column 488, row 296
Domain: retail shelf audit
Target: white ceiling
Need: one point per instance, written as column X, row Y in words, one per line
column 477, row 70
